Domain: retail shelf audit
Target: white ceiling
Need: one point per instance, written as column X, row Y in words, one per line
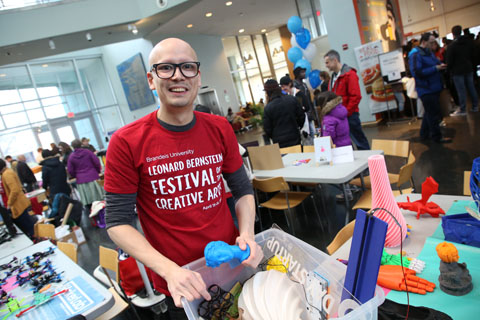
column 251, row 15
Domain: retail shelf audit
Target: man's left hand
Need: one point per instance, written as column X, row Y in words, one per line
column 256, row 253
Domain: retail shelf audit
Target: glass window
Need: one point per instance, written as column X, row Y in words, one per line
column 9, row 96
column 66, row 134
column 35, row 115
column 2, row 126
column 277, row 53
column 110, row 118
column 28, row 94
column 306, row 13
column 233, row 55
column 55, row 111
column 45, row 138
column 56, row 74
column 51, row 101
column 48, row 91
column 13, row 120
column 32, row 104
column 262, row 56
column 95, row 82
column 19, row 142
column 85, row 129
column 76, row 103
column 11, row 108
column 11, row 79
column 254, row 76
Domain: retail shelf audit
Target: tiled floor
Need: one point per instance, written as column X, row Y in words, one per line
column 445, row 163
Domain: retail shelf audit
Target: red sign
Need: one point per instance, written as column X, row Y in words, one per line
column 70, row 115
column 345, row 46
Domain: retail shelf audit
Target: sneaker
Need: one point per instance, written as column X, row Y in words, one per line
column 458, row 113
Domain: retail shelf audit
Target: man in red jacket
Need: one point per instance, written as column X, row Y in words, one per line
column 344, row 83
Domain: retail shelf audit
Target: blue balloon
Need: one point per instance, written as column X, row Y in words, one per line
column 294, row 24
column 314, row 78
column 294, row 54
column 303, row 38
column 302, row 63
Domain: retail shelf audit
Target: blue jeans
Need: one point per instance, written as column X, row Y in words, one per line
column 401, row 100
column 430, row 124
column 356, row 132
column 463, row 82
column 25, row 222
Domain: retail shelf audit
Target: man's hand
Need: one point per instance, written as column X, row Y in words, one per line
column 441, row 66
column 185, row 283
column 256, row 253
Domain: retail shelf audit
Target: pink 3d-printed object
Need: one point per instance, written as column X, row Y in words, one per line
column 382, row 197
column 429, row 187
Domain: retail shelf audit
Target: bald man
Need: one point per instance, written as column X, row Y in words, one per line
column 170, row 164
column 26, row 175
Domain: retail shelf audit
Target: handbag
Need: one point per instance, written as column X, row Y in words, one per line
column 461, row 228
column 305, row 131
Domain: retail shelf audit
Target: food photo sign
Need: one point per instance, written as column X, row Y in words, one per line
column 380, row 96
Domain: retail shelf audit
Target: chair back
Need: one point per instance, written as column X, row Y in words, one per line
column 406, row 171
column 44, row 230
column 307, row 149
column 466, row 183
column 342, row 236
column 265, row 157
column 292, row 149
column 271, row 184
column 109, row 260
column 397, row 148
column 70, row 249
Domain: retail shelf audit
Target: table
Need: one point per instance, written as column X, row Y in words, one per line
column 40, row 194
column 321, row 173
column 421, row 228
column 97, row 299
column 19, row 242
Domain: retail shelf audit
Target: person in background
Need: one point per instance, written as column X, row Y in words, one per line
column 325, row 77
column 425, row 68
column 261, row 104
column 65, row 151
column 303, row 95
column 86, row 144
column 344, row 83
column 17, row 202
column 202, row 108
column 38, row 157
column 287, row 85
column 25, row 174
column 333, row 117
column 437, row 51
column 85, row 166
column 283, row 116
column 460, row 62
column 12, row 163
column 54, row 176
column 54, row 148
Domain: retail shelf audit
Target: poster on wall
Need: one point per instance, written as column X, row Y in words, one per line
column 380, row 20
column 380, row 96
column 134, row 82
column 392, row 66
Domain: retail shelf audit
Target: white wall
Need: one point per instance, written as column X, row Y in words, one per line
column 323, row 45
column 417, row 17
column 342, row 29
column 214, row 66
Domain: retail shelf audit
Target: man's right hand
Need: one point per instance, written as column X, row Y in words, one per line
column 185, row 283
column 441, row 66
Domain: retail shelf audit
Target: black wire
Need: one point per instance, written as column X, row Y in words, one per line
column 371, row 213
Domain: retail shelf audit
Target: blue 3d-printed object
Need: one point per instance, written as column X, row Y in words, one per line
column 218, row 252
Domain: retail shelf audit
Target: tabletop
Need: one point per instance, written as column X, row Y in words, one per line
column 19, row 242
column 85, row 295
column 421, row 228
column 312, row 172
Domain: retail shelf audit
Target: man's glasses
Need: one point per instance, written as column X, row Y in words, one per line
column 167, row 70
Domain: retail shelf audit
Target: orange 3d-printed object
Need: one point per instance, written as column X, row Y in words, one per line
column 447, row 252
column 391, row 277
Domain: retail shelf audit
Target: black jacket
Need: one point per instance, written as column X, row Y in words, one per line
column 25, row 173
column 460, row 56
column 303, row 95
column 282, row 118
column 54, row 176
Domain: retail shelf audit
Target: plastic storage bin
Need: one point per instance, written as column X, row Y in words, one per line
column 302, row 259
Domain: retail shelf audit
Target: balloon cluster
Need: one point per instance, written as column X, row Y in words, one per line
column 302, row 51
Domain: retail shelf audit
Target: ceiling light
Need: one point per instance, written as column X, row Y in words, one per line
column 208, row 14
column 228, row 3
column 264, row 30
column 88, row 36
column 134, row 30
column 45, row 65
column 51, row 44
column 189, row 25
column 241, row 31
column 3, row 75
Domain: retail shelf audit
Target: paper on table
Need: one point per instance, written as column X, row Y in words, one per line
column 342, row 155
column 266, row 157
column 323, row 149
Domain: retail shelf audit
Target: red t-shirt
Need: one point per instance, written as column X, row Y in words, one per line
column 178, row 180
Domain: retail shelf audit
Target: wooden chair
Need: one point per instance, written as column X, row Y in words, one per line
column 43, row 230
column 70, row 249
column 284, row 199
column 342, row 236
column 307, row 149
column 396, row 148
column 109, row 261
column 466, row 183
column 365, row 201
column 293, row 149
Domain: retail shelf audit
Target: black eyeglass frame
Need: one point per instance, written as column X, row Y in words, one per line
column 175, row 66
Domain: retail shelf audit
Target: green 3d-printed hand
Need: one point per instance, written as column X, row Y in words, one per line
column 394, row 259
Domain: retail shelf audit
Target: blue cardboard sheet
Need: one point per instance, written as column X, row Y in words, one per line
column 464, row 307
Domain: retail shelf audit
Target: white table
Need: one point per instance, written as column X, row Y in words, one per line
column 19, row 242
column 421, row 228
column 70, row 271
column 321, row 172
